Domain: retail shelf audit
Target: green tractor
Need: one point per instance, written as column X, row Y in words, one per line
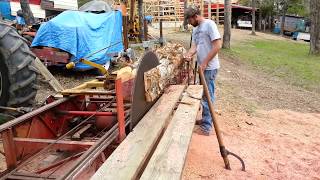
column 18, row 75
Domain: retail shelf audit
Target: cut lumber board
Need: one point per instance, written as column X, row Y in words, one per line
column 168, row 160
column 129, row 158
column 54, row 83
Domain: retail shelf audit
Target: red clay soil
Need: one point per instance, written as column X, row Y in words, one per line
column 278, row 144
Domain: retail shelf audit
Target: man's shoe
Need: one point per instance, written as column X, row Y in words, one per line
column 199, row 122
column 202, row 132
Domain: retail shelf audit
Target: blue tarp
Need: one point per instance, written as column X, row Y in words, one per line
column 5, row 9
column 81, row 34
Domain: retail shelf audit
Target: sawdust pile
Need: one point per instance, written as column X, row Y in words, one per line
column 158, row 78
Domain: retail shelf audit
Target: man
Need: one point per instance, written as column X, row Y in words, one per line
column 206, row 43
column 20, row 22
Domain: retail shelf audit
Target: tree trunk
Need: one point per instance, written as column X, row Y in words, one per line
column 227, row 24
column 253, row 32
column 315, row 27
column 185, row 23
column 158, row 78
column 27, row 13
column 260, row 19
column 283, row 18
column 270, row 22
column 141, row 17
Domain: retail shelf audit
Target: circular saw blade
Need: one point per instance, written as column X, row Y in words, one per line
column 139, row 104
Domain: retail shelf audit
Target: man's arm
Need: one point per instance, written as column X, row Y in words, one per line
column 216, row 46
column 192, row 51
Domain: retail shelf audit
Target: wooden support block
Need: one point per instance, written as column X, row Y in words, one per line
column 54, row 83
column 167, row 161
column 129, row 158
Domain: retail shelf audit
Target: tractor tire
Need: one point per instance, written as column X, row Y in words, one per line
column 18, row 74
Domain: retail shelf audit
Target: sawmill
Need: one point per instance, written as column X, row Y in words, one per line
column 73, row 135
column 134, row 121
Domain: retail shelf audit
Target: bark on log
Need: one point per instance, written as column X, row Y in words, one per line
column 159, row 77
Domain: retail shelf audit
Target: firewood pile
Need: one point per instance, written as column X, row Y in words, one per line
column 156, row 79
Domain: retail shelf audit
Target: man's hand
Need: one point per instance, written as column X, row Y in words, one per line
column 187, row 57
column 203, row 66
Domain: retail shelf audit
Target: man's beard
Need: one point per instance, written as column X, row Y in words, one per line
column 195, row 24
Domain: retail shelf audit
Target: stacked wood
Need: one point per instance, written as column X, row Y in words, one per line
column 159, row 77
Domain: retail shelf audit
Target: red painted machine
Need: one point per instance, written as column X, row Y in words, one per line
column 71, row 136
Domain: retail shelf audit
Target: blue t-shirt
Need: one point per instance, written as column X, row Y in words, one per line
column 202, row 36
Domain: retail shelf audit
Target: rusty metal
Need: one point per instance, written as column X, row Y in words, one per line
column 51, row 56
column 33, row 113
column 125, row 31
column 9, row 148
column 38, row 144
column 87, row 113
column 59, row 163
column 161, row 40
column 89, row 156
column 120, row 110
column 50, row 128
column 78, row 134
column 28, row 176
column 145, row 30
column 47, row 147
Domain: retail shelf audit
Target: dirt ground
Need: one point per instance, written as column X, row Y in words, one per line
column 271, row 124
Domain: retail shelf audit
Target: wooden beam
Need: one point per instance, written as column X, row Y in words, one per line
column 167, row 161
column 54, row 83
column 130, row 157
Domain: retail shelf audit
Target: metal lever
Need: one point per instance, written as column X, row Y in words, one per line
column 71, row 65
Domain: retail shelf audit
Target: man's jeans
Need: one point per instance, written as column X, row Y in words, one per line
column 210, row 76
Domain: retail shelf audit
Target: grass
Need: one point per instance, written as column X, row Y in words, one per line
column 285, row 59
